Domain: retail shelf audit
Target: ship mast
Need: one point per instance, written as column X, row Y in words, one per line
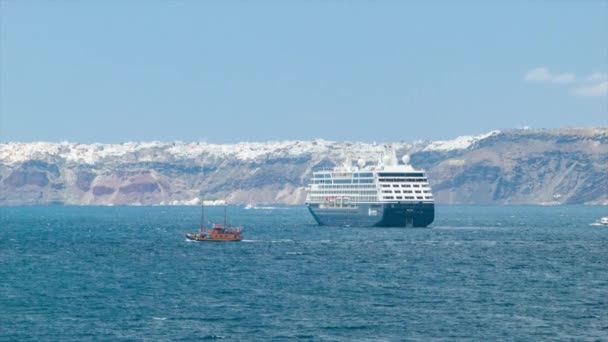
column 225, row 208
column 202, row 227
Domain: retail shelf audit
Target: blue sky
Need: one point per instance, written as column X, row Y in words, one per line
column 231, row 71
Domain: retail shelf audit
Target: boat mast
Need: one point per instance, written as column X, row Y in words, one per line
column 202, row 227
column 225, row 206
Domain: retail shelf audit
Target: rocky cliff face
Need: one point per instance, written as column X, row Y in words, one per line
column 522, row 166
column 565, row 166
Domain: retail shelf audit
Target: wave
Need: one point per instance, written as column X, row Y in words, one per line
column 470, row 227
column 271, row 208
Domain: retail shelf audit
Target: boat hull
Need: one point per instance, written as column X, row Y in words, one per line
column 397, row 214
column 196, row 237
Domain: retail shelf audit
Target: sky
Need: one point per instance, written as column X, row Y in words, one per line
column 231, row 71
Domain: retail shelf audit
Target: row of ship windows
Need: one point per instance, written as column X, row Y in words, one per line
column 404, row 185
column 365, row 186
column 406, row 191
column 355, row 175
column 370, row 180
column 368, row 174
column 358, row 199
column 366, row 181
column 397, row 180
column 342, row 181
column 373, row 198
column 408, row 197
column 400, row 174
column 341, row 192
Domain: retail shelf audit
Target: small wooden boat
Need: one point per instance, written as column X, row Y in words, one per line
column 219, row 232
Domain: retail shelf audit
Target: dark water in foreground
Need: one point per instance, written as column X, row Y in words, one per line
column 125, row 273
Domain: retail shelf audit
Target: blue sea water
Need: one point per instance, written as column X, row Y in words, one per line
column 126, row 273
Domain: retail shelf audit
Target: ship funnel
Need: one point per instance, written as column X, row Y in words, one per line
column 390, row 156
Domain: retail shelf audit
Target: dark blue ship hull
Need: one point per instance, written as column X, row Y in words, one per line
column 398, row 214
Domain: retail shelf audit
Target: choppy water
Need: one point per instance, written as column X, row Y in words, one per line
column 125, row 273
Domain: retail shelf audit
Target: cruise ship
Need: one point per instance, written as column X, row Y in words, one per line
column 388, row 194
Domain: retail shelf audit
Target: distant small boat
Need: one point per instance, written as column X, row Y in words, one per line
column 219, row 232
column 249, row 206
column 604, row 221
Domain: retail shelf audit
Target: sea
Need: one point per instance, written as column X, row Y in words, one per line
column 71, row 273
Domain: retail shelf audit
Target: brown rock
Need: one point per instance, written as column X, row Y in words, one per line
column 102, row 190
column 139, row 187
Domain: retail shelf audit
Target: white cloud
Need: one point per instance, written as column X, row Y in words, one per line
column 538, row 75
column 564, row 78
column 593, row 90
column 597, row 77
column 543, row 75
column 594, row 85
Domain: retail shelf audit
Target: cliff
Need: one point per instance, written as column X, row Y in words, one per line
column 559, row 166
